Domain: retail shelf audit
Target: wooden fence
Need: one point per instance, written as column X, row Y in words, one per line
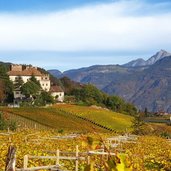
column 76, row 156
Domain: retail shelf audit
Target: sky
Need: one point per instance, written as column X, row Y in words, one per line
column 69, row 34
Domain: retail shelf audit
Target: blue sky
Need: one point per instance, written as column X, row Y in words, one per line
column 67, row 34
column 44, row 5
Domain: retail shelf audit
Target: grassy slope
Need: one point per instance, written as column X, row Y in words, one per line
column 59, row 117
column 113, row 120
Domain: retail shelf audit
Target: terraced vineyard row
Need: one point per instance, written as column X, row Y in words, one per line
column 102, row 117
column 53, row 118
column 88, row 120
column 23, row 122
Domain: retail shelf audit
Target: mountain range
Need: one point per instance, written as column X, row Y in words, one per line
column 147, row 84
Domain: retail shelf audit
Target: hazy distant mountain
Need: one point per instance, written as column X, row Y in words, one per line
column 55, row 72
column 145, row 83
column 150, row 88
column 137, row 62
column 99, row 75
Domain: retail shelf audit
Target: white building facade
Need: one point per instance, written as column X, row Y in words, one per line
column 57, row 93
column 25, row 73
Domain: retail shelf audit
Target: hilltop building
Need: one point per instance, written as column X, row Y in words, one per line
column 25, row 73
column 57, row 93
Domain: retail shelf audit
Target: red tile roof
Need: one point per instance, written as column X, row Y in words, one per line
column 26, row 72
column 56, row 89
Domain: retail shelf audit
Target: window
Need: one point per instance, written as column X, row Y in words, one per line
column 17, row 78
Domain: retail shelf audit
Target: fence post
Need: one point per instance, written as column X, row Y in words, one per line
column 9, row 139
column 88, row 159
column 102, row 156
column 76, row 162
column 25, row 161
column 57, row 157
column 11, row 159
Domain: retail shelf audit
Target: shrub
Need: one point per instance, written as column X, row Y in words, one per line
column 12, row 125
column 3, row 124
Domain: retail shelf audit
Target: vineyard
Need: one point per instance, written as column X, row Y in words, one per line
column 105, row 117
column 144, row 154
column 51, row 119
column 86, row 138
column 73, row 118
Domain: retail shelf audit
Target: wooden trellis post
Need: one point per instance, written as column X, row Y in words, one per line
column 76, row 162
column 11, row 159
column 57, row 157
column 88, row 159
column 25, row 164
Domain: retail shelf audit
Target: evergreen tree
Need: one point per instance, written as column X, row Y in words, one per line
column 33, row 79
column 18, row 82
column 6, row 92
column 138, row 123
column 146, row 112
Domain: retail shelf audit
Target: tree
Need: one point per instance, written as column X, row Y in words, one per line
column 3, row 72
column 33, row 79
column 43, row 99
column 30, row 89
column 2, row 91
column 115, row 103
column 89, row 94
column 18, row 82
column 6, row 85
column 138, row 123
column 130, row 109
column 3, row 124
column 146, row 113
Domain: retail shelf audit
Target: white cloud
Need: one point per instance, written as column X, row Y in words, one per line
column 114, row 26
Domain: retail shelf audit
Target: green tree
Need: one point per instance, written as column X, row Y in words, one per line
column 30, row 89
column 146, row 113
column 6, row 85
column 3, row 72
column 33, row 79
column 3, row 124
column 138, row 123
column 89, row 94
column 43, row 99
column 2, row 91
column 130, row 109
column 18, row 82
column 115, row 103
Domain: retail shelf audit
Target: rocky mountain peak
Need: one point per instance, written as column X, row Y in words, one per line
column 159, row 55
column 134, row 63
column 152, row 60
